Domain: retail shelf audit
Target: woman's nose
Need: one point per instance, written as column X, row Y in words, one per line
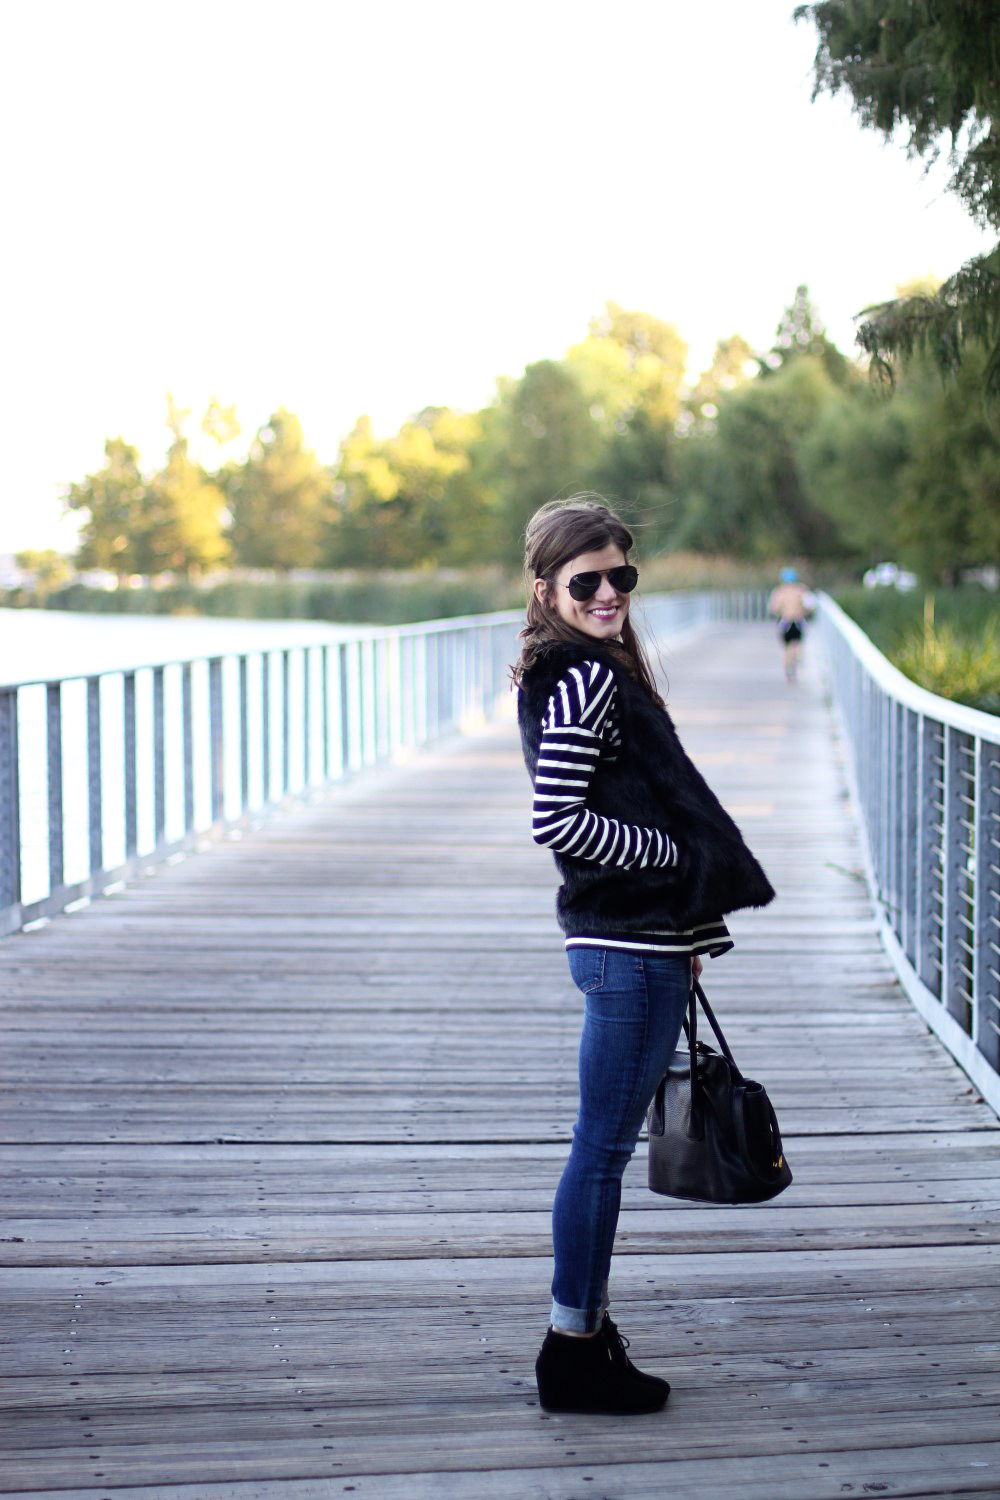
column 606, row 593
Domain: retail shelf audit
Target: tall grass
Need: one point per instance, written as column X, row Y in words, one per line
column 362, row 599
column 947, row 642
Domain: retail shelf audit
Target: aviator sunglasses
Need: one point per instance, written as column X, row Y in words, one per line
column 583, row 586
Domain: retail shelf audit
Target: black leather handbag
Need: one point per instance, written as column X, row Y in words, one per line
column 713, row 1134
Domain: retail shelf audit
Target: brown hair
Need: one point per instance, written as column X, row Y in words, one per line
column 556, row 533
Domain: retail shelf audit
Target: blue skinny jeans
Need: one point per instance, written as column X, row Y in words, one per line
column 634, row 1008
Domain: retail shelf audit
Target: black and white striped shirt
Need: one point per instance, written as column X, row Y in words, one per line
column 580, row 726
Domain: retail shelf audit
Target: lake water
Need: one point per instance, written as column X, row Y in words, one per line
column 46, row 643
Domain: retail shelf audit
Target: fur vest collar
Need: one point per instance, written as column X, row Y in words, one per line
column 652, row 782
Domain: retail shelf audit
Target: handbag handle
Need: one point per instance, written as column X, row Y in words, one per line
column 697, row 993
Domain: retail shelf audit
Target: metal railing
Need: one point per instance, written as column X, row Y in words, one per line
column 105, row 775
column 927, row 774
column 664, row 614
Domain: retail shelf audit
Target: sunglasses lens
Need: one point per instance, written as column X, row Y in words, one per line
column 624, row 579
column 584, row 586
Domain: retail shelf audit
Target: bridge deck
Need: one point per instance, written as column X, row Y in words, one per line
column 282, row 1124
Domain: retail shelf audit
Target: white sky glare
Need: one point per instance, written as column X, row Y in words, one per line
column 373, row 207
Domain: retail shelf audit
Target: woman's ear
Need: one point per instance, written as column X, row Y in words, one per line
column 541, row 589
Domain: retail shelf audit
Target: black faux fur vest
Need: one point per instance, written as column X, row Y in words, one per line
column 652, row 782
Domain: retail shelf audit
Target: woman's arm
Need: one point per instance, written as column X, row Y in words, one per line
column 572, row 740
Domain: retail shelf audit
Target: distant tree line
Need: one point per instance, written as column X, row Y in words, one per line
column 787, row 453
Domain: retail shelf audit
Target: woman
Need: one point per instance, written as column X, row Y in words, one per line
column 650, row 863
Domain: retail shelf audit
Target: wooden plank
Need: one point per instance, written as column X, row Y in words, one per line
column 944, row 1469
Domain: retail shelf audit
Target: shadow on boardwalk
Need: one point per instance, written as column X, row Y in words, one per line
column 281, row 1129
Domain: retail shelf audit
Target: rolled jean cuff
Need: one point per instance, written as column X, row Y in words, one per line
column 575, row 1319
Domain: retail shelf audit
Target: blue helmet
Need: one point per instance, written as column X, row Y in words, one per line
column 788, row 575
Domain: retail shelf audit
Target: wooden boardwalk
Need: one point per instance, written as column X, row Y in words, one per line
column 281, row 1128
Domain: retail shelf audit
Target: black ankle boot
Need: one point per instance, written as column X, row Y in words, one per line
column 617, row 1347
column 580, row 1375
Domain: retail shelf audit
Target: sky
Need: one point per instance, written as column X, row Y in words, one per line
column 371, row 207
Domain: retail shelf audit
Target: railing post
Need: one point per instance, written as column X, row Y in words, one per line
column 910, row 838
column 10, row 822
column 324, row 675
column 953, row 991
column 927, row 855
column 407, row 663
column 450, row 682
column 265, row 726
column 187, row 722
column 286, row 722
column 368, row 703
column 53, row 745
column 394, row 685
column 345, row 711
column 306, row 718
column 883, row 772
column 432, row 697
column 129, row 752
column 422, row 689
column 216, row 764
column 893, row 820
column 95, row 810
column 159, row 760
column 244, row 735
column 986, row 910
column 380, row 697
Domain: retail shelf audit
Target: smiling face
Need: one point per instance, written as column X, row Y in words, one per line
column 602, row 616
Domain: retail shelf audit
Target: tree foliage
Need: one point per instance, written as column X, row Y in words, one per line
column 630, row 362
column 931, row 70
column 414, row 499
column 541, row 442
column 789, row 453
column 111, row 503
column 171, row 521
column 801, row 331
column 279, row 499
column 48, row 568
column 741, row 482
column 732, row 365
column 180, row 530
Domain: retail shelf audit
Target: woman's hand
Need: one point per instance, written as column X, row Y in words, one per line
column 696, row 967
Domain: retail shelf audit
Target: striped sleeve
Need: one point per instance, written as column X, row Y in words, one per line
column 580, row 706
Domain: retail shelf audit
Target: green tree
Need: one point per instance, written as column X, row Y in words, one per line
column 741, row 486
column 852, row 461
column 732, row 365
column 220, row 422
column 461, row 513
column 932, row 71
column 950, row 490
column 412, row 500
column 802, row 332
column 50, row 570
column 540, row 442
column 181, row 525
column 916, row 478
column 629, row 362
column 280, row 500
column 630, row 370
column 111, row 503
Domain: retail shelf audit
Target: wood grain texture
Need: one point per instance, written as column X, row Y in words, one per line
column 280, row 1128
